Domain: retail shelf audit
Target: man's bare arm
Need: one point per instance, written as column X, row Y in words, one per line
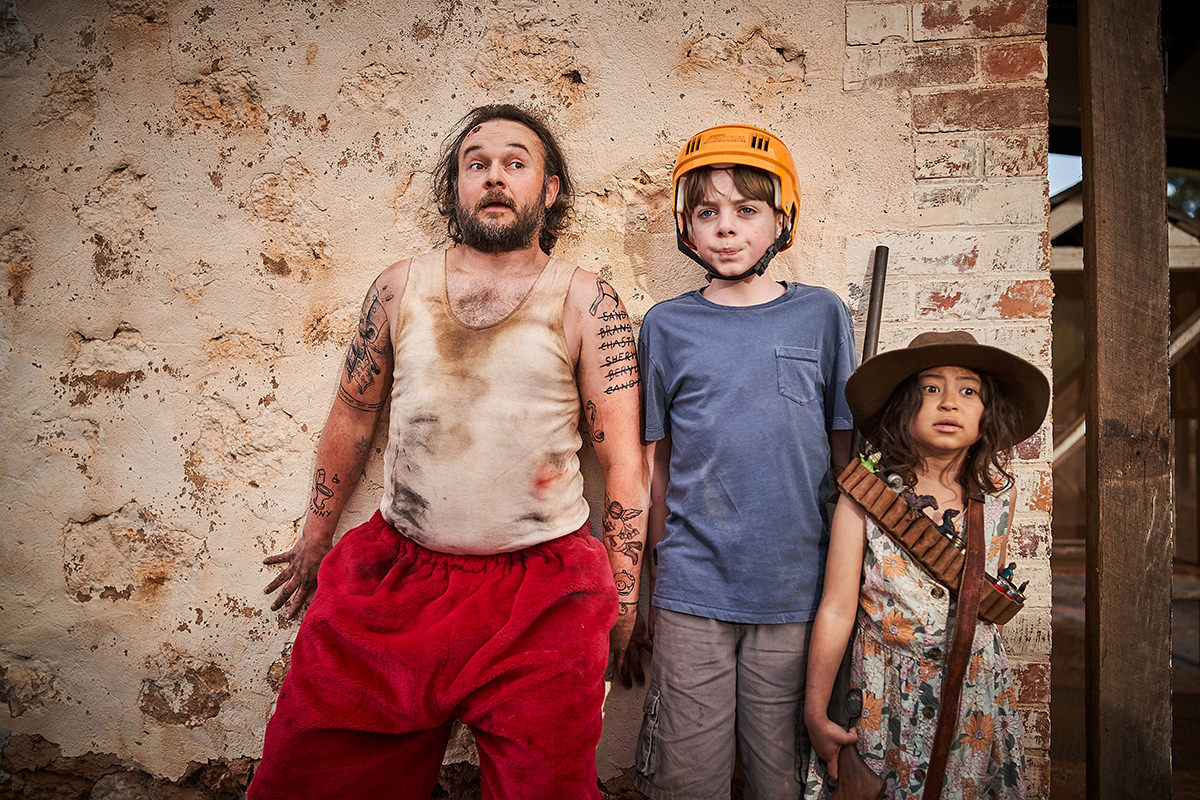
column 610, row 388
column 363, row 389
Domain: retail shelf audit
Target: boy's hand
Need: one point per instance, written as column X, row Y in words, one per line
column 828, row 738
column 627, row 653
column 299, row 577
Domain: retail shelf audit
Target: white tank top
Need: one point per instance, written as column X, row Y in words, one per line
column 483, row 437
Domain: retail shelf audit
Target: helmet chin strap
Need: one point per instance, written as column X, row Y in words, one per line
column 759, row 267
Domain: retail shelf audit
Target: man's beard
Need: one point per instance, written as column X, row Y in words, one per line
column 496, row 237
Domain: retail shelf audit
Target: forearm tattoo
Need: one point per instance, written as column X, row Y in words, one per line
column 321, row 493
column 616, row 340
column 371, row 343
column 625, row 583
column 621, row 535
column 361, row 449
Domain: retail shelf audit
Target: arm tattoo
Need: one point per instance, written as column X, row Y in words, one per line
column 361, row 449
column 625, row 583
column 372, row 339
column 616, row 342
column 595, row 434
column 620, row 533
column 603, row 291
column 321, row 493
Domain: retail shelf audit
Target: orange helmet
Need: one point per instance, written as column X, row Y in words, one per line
column 741, row 145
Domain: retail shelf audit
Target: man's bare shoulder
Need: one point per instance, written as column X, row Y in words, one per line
column 389, row 284
column 590, row 294
column 396, row 273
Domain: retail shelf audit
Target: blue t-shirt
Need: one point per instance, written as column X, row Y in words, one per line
column 748, row 396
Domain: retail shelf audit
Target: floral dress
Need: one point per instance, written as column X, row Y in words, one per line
column 904, row 628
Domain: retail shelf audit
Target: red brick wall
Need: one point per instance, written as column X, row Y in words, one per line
column 973, row 74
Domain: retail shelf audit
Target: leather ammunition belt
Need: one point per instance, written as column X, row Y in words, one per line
column 915, row 533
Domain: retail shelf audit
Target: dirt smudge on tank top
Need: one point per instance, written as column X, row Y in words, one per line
column 551, row 468
column 408, row 511
column 463, row 350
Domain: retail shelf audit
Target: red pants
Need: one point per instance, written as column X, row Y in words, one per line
column 400, row 641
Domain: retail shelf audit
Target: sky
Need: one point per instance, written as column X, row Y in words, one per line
column 1065, row 172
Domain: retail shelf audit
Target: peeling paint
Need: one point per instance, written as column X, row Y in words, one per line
column 71, row 99
column 280, row 204
column 27, row 682
column 128, row 554
column 121, row 214
column 279, row 669
column 547, row 68
column 14, row 36
column 77, row 438
column 759, row 62
column 103, row 380
column 151, row 11
column 232, row 345
column 379, row 89
column 16, row 254
column 36, row 767
column 187, row 690
column 232, row 100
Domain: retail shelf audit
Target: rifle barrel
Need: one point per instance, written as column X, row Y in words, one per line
column 871, row 333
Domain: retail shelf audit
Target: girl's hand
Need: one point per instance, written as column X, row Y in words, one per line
column 828, row 738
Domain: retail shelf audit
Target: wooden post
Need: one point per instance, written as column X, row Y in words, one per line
column 1130, row 508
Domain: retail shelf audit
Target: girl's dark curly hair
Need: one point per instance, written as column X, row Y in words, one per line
column 445, row 175
column 985, row 467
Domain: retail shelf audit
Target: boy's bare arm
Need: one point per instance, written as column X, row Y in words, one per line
column 609, row 387
column 363, row 389
column 839, row 449
column 658, row 457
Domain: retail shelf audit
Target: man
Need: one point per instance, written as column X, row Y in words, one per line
column 476, row 592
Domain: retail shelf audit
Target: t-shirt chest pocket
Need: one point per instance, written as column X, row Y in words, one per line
column 798, row 372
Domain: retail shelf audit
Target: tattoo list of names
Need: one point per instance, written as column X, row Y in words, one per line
column 620, row 351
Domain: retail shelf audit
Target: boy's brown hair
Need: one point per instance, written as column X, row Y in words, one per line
column 753, row 183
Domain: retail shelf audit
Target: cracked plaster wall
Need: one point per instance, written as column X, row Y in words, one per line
column 196, row 195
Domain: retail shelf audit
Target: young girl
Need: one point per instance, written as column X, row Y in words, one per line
column 943, row 414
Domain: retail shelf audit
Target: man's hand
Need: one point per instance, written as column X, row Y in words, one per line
column 627, row 642
column 299, row 577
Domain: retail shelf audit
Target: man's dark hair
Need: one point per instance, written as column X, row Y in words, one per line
column 445, row 175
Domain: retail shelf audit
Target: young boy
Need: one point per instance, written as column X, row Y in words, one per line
column 743, row 395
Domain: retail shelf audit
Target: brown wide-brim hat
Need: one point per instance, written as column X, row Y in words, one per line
column 871, row 385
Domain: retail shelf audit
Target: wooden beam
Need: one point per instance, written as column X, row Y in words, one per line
column 1127, row 632
column 1065, row 215
column 1183, row 340
column 1070, row 259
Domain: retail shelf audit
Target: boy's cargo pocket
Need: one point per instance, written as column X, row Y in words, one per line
column 647, row 746
column 799, row 376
